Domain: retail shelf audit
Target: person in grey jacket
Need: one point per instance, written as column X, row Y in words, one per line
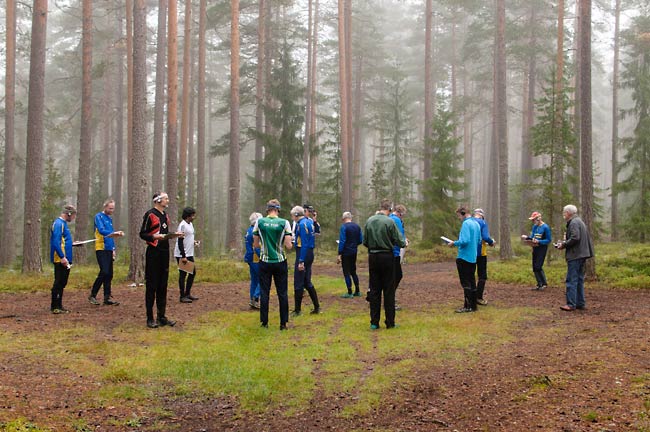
column 579, row 248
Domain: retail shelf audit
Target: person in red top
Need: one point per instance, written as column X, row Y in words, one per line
column 155, row 231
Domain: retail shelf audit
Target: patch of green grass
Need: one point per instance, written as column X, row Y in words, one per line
column 590, row 416
column 618, row 265
column 20, row 425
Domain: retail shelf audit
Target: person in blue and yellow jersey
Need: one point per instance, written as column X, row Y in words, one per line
column 252, row 258
column 304, row 243
column 61, row 256
column 272, row 234
column 539, row 239
column 105, row 253
column 481, row 257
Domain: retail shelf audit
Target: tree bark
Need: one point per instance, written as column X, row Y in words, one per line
column 185, row 104
column 348, row 90
column 159, row 103
column 259, row 97
column 234, row 224
column 138, row 188
column 528, row 116
column 7, row 234
column 171, row 167
column 501, row 102
column 586, row 150
column 308, row 100
column 119, row 127
column 200, row 133
column 34, row 152
column 313, row 140
column 346, row 203
column 615, row 116
column 85, row 138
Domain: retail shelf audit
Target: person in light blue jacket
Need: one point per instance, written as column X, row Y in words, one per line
column 468, row 243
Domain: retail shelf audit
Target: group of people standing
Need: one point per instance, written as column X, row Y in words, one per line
column 268, row 237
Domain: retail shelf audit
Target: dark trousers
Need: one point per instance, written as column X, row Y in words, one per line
column 481, row 270
column 105, row 276
column 539, row 255
column 380, row 267
column 397, row 269
column 185, row 285
column 279, row 273
column 302, row 281
column 349, row 265
column 466, row 272
column 61, row 274
column 156, row 273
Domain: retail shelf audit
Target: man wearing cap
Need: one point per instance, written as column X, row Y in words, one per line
column 578, row 248
column 539, row 239
column 61, row 256
column 469, row 240
column 270, row 234
column 304, row 244
column 105, row 253
column 350, row 237
column 481, row 255
column 380, row 235
column 155, row 231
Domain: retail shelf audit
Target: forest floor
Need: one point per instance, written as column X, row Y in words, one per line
column 560, row 371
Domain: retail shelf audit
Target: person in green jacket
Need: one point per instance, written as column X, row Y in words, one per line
column 380, row 235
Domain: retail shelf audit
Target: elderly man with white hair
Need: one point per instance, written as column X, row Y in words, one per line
column 304, row 242
column 578, row 248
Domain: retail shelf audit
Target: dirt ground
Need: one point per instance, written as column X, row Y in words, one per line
column 562, row 371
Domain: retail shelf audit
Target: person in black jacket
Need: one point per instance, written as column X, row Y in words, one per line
column 155, row 231
column 578, row 248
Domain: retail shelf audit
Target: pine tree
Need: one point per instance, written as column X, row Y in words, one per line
column 53, row 196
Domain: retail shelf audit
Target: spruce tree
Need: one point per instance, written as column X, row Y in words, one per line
column 440, row 189
column 283, row 148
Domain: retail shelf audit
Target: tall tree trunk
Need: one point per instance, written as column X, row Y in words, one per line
column 468, row 152
column 586, row 150
column 428, row 106
column 615, row 79
column 234, row 224
column 7, row 234
column 171, row 167
column 556, row 218
column 85, row 138
column 185, row 104
column 501, row 102
column 306, row 143
column 259, row 98
column 189, row 200
column 106, row 155
column 348, row 90
column 357, row 123
column 34, row 152
column 346, row 202
column 200, row 133
column 119, row 126
column 313, row 139
column 138, row 188
column 528, row 118
column 159, row 104
column 574, row 187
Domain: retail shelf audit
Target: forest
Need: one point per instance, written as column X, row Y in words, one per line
column 512, row 106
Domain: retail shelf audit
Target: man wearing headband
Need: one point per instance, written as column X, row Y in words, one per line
column 270, row 234
column 61, row 256
column 154, row 230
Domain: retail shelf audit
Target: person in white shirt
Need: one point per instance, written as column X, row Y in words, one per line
column 184, row 252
